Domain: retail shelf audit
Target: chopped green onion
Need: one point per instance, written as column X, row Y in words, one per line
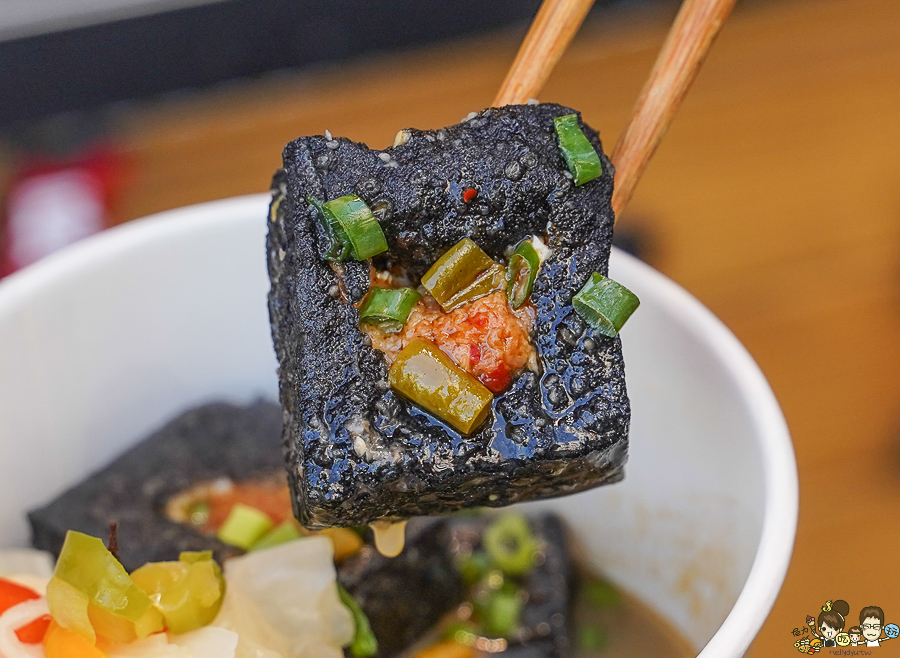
column 339, row 245
column 455, row 271
column 473, row 567
column 360, row 224
column 352, row 227
column 605, row 304
column 501, row 615
column 592, row 638
column 244, row 526
column 280, row 534
column 425, row 375
column 600, row 594
column 364, row 643
column 581, row 158
column 388, row 308
column 523, row 268
column 510, row 544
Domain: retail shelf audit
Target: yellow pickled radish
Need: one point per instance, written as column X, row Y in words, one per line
column 60, row 642
column 345, row 542
column 116, row 629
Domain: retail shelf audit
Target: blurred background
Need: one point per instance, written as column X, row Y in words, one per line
column 775, row 198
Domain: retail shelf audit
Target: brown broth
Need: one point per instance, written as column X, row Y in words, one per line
column 630, row 629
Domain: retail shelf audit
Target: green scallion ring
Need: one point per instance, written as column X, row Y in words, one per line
column 364, row 643
column 502, row 613
column 510, row 544
column 457, row 269
column 580, row 156
column 521, row 273
column 339, row 245
column 605, row 304
column 388, row 308
column 359, row 224
column 352, row 228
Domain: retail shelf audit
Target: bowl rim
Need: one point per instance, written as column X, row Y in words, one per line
column 780, row 479
column 779, row 464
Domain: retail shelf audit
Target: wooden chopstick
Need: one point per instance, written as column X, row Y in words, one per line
column 550, row 33
column 689, row 39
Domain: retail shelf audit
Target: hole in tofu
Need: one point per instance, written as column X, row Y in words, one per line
column 484, row 337
column 206, row 505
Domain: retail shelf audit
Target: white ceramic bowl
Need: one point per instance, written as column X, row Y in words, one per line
column 103, row 342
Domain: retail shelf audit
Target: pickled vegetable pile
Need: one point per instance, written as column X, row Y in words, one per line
column 281, row 604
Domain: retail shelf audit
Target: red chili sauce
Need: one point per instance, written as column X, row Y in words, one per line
column 485, row 337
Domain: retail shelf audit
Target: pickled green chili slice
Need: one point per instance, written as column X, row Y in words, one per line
column 429, row 378
column 352, row 227
column 510, row 544
column 188, row 592
column 605, row 304
column 493, row 278
column 455, row 271
column 580, row 156
column 364, row 643
column 388, row 308
column 521, row 273
column 243, row 526
column 92, row 594
column 86, row 564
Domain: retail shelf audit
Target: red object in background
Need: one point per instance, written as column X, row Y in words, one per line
column 51, row 203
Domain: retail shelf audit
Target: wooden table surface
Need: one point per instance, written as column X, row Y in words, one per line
column 774, row 199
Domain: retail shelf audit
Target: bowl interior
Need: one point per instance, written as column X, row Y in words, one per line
column 104, row 342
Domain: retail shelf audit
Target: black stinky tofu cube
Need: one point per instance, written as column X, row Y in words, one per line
column 357, row 451
column 545, row 628
column 201, row 445
column 405, row 596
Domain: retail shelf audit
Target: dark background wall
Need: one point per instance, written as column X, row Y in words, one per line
column 138, row 58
